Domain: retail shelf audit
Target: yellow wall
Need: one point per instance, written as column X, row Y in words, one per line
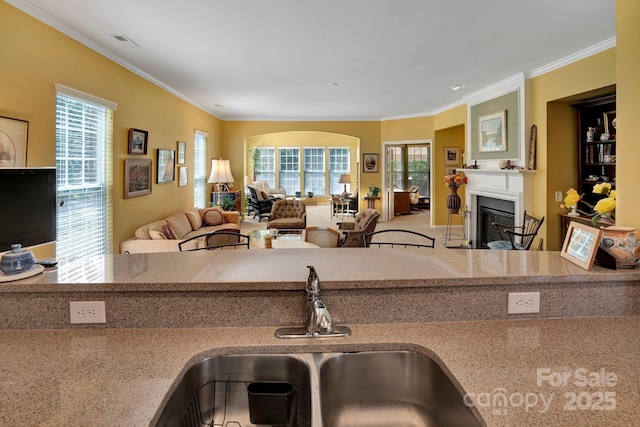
column 234, row 134
column 305, row 139
column 36, row 57
column 450, row 137
column 412, row 129
column 452, row 117
column 628, row 111
column 591, row 73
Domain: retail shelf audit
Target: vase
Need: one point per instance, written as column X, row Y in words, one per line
column 453, row 201
column 574, row 211
column 622, row 243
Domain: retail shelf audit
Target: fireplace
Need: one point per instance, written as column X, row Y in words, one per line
column 503, row 196
column 492, row 210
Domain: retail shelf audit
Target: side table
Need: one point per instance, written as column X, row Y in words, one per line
column 371, row 201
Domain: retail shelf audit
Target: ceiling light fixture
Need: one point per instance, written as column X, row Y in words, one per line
column 455, row 87
column 218, row 105
column 126, row 41
column 333, row 84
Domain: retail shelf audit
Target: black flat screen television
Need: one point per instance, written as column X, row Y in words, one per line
column 27, row 206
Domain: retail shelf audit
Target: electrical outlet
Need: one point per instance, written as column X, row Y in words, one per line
column 523, row 302
column 558, row 196
column 87, row 312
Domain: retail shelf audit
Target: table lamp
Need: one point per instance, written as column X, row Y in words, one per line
column 345, row 179
column 220, row 174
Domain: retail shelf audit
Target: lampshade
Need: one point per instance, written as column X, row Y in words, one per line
column 345, row 179
column 248, row 179
column 220, row 171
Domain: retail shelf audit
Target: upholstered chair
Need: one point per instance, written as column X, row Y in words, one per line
column 353, row 232
column 288, row 214
column 322, row 236
column 260, row 206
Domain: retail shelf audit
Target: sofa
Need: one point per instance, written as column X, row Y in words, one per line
column 165, row 235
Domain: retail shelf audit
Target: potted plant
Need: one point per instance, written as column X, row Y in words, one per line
column 373, row 191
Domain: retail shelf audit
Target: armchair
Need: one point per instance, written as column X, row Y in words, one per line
column 275, row 193
column 354, row 232
column 288, row 214
column 261, row 207
column 520, row 237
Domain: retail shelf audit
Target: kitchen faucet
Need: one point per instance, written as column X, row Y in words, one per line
column 317, row 320
column 317, row 317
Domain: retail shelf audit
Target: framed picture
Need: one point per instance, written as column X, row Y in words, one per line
column 13, row 142
column 182, row 152
column 451, row 156
column 370, row 162
column 492, row 132
column 138, row 141
column 137, row 177
column 166, row 166
column 183, row 176
column 580, row 244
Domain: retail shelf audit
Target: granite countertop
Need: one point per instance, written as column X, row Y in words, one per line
column 285, row 269
column 120, row 377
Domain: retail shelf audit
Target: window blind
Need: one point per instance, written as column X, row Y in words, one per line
column 199, row 169
column 84, row 161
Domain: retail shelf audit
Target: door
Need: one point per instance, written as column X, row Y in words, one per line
column 389, row 175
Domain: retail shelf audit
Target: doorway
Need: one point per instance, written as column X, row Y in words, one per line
column 407, row 164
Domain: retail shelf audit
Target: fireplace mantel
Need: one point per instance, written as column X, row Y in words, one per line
column 514, row 185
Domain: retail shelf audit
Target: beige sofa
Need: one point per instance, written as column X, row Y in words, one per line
column 166, row 234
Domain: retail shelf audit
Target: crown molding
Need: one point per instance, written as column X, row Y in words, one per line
column 574, row 57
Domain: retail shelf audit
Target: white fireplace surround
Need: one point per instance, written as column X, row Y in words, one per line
column 514, row 185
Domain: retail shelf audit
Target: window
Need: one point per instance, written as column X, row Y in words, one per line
column 200, row 169
column 418, row 168
column 290, row 169
column 84, row 139
column 314, row 170
column 265, row 166
column 338, row 164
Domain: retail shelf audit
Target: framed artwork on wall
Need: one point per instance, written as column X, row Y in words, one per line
column 182, row 152
column 13, row 142
column 166, row 166
column 451, row 156
column 138, row 141
column 580, row 244
column 137, row 177
column 492, row 132
column 370, row 162
column 183, row 176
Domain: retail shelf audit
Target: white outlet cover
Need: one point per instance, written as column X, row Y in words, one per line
column 87, row 312
column 523, row 302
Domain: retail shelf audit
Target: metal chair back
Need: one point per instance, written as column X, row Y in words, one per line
column 399, row 238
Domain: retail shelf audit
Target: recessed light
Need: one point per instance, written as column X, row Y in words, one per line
column 218, row 105
column 333, row 84
column 455, row 87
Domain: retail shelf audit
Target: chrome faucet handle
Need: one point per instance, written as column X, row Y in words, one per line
column 313, row 282
column 319, row 320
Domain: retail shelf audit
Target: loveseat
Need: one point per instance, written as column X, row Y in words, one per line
column 165, row 235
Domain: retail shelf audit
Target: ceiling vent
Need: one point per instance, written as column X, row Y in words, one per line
column 124, row 40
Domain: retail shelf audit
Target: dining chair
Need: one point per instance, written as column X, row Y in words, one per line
column 325, row 237
column 520, row 237
column 398, row 238
column 220, row 239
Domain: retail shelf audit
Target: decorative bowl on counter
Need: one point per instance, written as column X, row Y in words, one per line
column 17, row 260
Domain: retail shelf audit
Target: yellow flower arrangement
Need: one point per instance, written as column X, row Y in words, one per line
column 606, row 205
column 572, row 198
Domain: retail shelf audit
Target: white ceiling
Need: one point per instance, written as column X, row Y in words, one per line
column 279, row 59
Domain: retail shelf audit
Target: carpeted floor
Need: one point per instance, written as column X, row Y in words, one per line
column 415, row 221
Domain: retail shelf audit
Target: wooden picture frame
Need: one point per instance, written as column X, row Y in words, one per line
column 492, row 132
column 182, row 152
column 138, row 141
column 166, row 166
column 451, row 156
column 14, row 134
column 183, row 176
column 580, row 244
column 370, row 162
column 137, row 177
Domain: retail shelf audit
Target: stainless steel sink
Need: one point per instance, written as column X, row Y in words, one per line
column 214, row 392
column 390, row 388
column 393, row 388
